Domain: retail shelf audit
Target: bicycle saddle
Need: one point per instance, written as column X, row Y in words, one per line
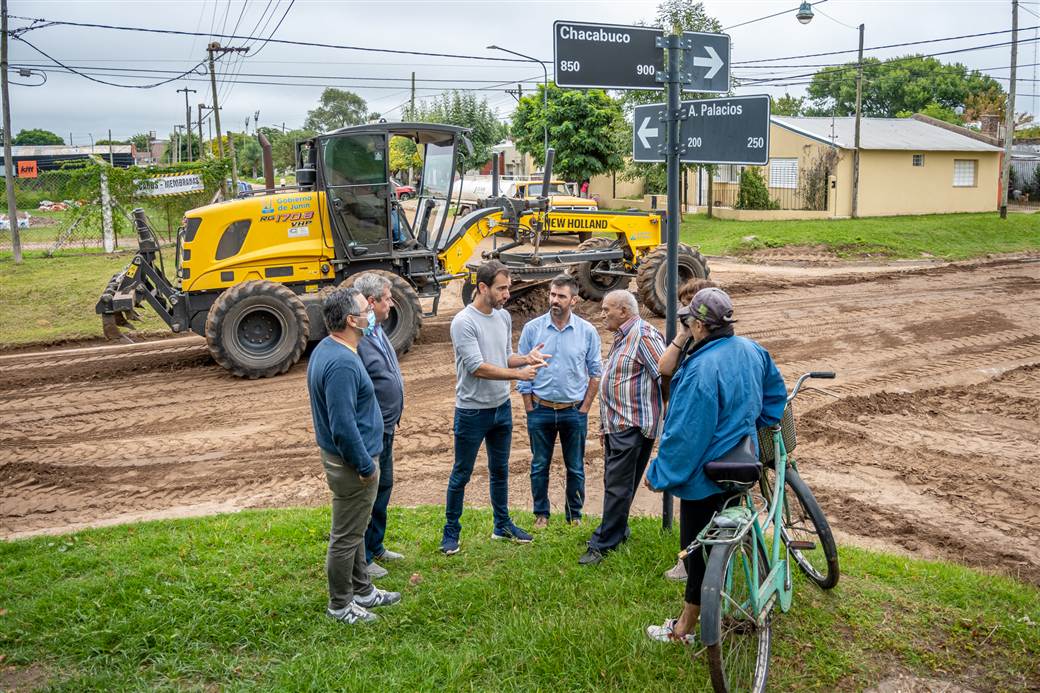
column 737, row 469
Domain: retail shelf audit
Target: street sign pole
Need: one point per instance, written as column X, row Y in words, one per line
column 672, row 119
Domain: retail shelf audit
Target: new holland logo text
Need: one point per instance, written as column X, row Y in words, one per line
column 577, row 223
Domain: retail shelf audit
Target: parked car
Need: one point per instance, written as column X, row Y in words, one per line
column 403, row 192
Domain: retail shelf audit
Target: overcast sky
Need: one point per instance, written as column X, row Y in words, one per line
column 70, row 103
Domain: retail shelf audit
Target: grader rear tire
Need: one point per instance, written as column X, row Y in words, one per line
column 593, row 286
column 403, row 324
column 257, row 329
column 652, row 275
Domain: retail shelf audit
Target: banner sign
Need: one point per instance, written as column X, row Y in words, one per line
column 177, row 184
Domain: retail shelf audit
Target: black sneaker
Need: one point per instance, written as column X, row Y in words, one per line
column 512, row 533
column 591, row 557
column 449, row 544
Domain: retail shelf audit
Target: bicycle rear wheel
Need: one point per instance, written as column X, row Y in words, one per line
column 808, row 534
column 737, row 642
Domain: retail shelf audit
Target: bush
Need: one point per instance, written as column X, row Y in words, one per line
column 753, row 193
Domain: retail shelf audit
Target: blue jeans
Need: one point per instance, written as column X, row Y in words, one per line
column 543, row 424
column 473, row 427
column 377, row 524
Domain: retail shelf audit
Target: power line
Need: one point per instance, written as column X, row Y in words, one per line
column 159, row 72
column 286, row 42
column 877, row 48
column 112, row 84
column 853, row 66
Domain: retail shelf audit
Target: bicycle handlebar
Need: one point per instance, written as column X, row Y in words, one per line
column 828, row 375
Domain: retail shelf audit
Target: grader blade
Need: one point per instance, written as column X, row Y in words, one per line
column 110, row 324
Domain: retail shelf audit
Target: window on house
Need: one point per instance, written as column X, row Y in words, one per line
column 728, row 173
column 918, row 159
column 964, row 173
column 783, row 173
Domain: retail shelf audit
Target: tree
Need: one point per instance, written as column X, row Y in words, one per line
column 465, row 110
column 283, row 146
column 36, row 136
column 336, row 109
column 100, row 142
column 787, row 105
column 142, row 141
column 586, row 128
column 937, row 111
column 753, row 193
column 404, row 155
column 250, row 156
column 908, row 84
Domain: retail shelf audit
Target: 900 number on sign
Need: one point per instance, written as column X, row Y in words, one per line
column 570, row 66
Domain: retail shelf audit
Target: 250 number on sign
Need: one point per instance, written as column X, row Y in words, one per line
column 756, row 142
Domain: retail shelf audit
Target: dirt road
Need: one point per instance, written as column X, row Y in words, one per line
column 928, row 442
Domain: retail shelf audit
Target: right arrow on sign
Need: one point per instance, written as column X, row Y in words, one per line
column 713, row 62
column 644, row 132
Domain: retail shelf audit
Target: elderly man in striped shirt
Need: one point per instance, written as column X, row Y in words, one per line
column 630, row 415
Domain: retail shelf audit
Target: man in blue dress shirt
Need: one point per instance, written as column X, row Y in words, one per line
column 559, row 397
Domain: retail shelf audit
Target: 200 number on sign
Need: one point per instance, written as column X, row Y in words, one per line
column 570, row 66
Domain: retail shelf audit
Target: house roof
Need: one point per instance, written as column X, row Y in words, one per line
column 65, row 150
column 883, row 133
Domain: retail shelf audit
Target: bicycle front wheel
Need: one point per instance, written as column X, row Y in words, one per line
column 808, row 534
column 737, row 638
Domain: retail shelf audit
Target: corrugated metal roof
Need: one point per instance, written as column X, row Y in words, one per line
column 884, row 133
column 64, row 150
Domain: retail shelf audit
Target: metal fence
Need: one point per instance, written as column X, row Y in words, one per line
column 79, row 209
column 815, row 199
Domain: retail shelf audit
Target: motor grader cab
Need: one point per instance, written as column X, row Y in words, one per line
column 249, row 272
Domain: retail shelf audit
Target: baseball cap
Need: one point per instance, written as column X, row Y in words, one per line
column 711, row 306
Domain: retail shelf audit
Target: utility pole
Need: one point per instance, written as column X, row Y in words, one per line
column 211, row 49
column 187, row 120
column 234, row 164
column 411, row 102
column 1009, row 116
column 111, row 155
column 256, row 121
column 859, row 108
column 12, row 207
column 201, row 106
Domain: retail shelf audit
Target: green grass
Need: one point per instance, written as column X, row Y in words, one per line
column 237, row 602
column 47, row 300
column 947, row 236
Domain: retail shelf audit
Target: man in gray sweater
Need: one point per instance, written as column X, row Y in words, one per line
column 481, row 335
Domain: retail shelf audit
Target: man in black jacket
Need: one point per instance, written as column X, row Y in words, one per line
column 381, row 363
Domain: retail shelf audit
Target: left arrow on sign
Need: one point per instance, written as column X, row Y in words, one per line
column 713, row 61
column 644, row 132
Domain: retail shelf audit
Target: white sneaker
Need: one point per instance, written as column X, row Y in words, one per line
column 352, row 613
column 389, row 555
column 376, row 571
column 666, row 633
column 676, row 572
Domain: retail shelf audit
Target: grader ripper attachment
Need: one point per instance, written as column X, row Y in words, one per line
column 249, row 272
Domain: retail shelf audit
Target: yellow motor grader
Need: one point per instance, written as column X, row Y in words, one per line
column 249, row 270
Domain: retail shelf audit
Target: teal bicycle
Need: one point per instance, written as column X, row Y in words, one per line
column 751, row 543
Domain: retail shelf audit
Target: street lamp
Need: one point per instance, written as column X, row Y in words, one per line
column 545, row 91
column 805, row 13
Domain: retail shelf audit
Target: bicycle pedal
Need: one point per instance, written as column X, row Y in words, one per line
column 801, row 545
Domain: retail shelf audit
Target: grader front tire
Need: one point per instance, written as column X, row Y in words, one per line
column 257, row 329
column 652, row 275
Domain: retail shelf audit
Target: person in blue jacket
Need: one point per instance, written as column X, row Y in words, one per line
column 726, row 388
